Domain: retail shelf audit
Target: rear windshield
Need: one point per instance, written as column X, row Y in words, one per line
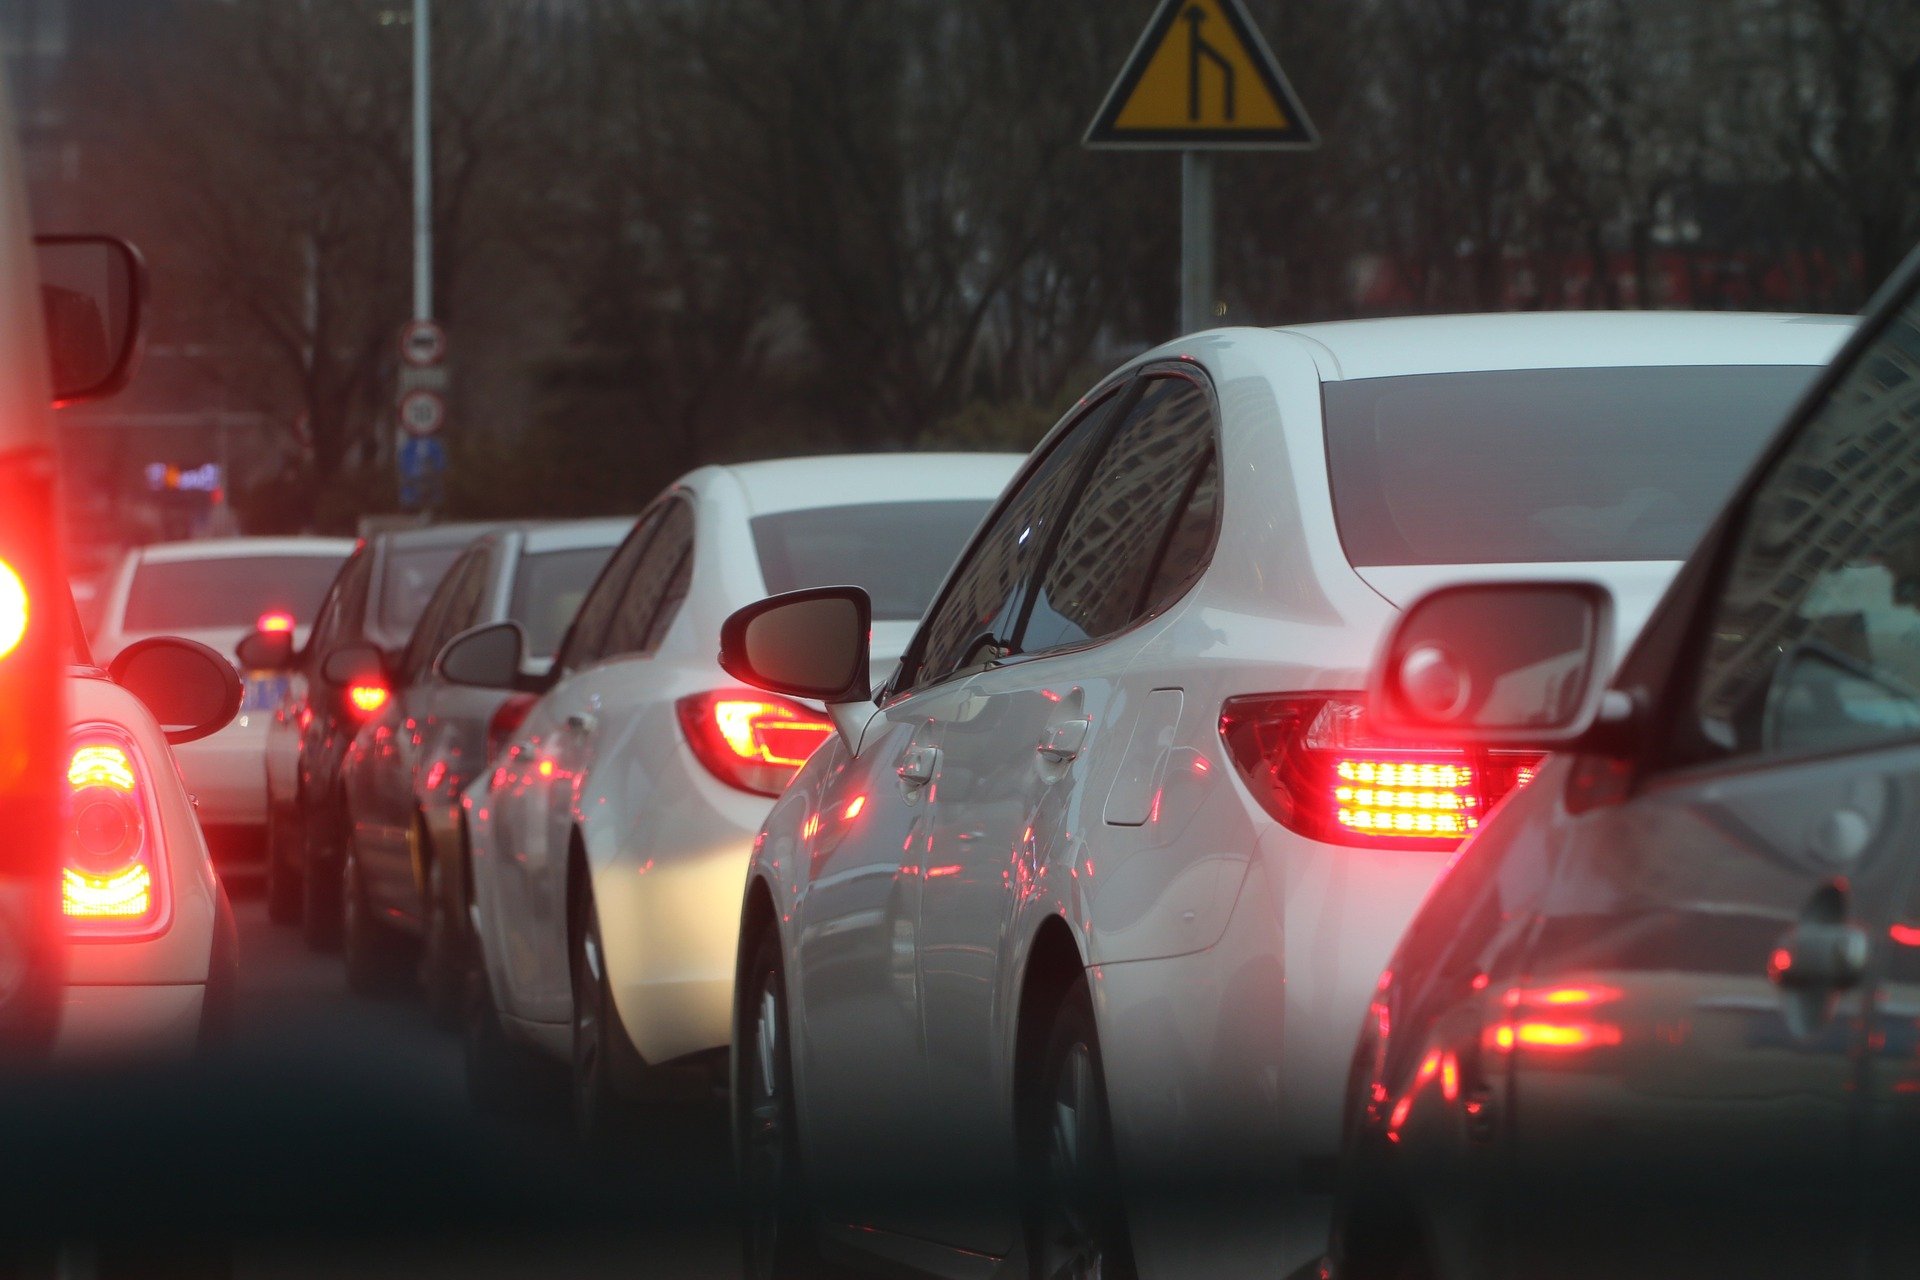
column 1545, row 464
column 548, row 590
column 411, row 574
column 898, row 551
column 228, row 593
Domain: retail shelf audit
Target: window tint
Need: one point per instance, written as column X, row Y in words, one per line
column 430, row 632
column 226, row 593
column 1545, row 464
column 465, row 595
column 982, row 594
column 586, row 638
column 649, row 595
column 548, row 588
column 1815, row 644
column 1102, row 573
column 408, row 577
column 827, row 546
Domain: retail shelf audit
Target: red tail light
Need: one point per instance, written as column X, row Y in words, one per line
column 367, row 699
column 111, row 881
column 753, row 741
column 275, row 621
column 1310, row 762
column 506, row 721
column 13, row 609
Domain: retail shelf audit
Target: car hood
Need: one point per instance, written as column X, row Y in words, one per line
column 1637, row 585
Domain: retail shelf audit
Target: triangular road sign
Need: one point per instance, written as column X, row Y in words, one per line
column 1201, row 77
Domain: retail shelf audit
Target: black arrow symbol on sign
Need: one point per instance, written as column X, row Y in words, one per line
column 1198, row 48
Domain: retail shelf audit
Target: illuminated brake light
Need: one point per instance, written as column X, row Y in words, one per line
column 13, row 609
column 1310, row 762
column 367, row 699
column 110, row 879
column 274, row 622
column 752, row 741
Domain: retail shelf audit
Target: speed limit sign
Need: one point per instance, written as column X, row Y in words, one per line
column 422, row 413
column 423, row 343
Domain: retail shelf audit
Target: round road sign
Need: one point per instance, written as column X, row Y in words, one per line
column 423, row 343
column 422, row 413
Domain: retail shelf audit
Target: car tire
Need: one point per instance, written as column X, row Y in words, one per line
column 505, row 1078
column 320, row 903
column 283, row 889
column 376, row 954
column 446, row 954
column 601, row 1112
column 776, row 1220
column 1075, row 1222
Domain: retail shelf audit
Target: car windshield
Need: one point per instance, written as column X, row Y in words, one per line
column 1531, row 465
column 547, row 590
column 897, row 551
column 411, row 574
column 225, row 592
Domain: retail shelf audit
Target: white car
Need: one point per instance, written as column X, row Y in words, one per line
column 609, row 843
column 218, row 591
column 1095, row 892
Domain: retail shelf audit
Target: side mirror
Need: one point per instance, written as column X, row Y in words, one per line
column 265, row 650
column 92, row 291
column 354, row 664
column 1496, row 664
column 191, row 690
column 485, row 657
column 809, row 644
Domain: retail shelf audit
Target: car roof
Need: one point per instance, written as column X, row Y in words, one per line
column 572, row 535
column 439, row 535
column 244, row 548
column 1404, row 345
column 795, row 484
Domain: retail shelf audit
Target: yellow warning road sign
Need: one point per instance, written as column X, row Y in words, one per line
column 1201, row 77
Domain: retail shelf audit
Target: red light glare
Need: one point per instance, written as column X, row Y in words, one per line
column 1905, row 934
column 1781, row 960
column 1562, row 997
column 1532, row 1034
column 1450, row 1077
column 854, row 806
column 14, row 610
column 274, row 622
column 367, row 699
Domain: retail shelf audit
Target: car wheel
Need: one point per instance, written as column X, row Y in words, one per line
column 776, row 1230
column 598, row 1107
column 1076, row 1227
column 320, row 905
column 445, row 957
column 283, row 877
column 375, row 954
column 504, row 1077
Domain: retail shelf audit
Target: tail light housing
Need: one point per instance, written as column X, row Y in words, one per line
column 1311, row 762
column 506, row 721
column 753, row 741
column 112, row 876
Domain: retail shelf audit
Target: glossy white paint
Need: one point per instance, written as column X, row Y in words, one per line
column 602, row 760
column 1230, row 959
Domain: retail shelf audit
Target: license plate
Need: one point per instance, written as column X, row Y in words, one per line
column 265, row 691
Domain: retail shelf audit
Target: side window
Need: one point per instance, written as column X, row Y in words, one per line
column 1141, row 527
column 648, row 597
column 339, row 616
column 585, row 642
column 980, row 598
column 431, row 631
column 1815, row 642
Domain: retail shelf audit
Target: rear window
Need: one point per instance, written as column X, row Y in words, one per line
column 411, row 574
column 1545, row 464
column 547, row 592
column 229, row 593
column 898, row 551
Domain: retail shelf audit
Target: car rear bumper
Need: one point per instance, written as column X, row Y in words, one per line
column 155, row 1021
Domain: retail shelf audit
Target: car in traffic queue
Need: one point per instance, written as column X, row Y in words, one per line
column 405, row 884
column 1092, row 895
column 610, row 840
column 1660, row 1016
column 216, row 591
column 375, row 599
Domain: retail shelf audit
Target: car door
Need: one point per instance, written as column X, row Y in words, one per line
column 858, row 988
column 331, row 727
column 1016, row 762
column 1687, row 1054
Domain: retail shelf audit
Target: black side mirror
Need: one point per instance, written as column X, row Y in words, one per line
column 809, row 644
column 354, row 663
column 1497, row 664
column 191, row 690
column 265, row 650
column 93, row 292
column 485, row 657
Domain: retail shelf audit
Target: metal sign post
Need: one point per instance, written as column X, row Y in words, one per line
column 1200, row 80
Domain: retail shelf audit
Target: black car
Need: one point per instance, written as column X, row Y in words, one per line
column 379, row 594
column 1662, row 1015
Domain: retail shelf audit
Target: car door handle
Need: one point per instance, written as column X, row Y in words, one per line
column 918, row 765
column 1064, row 740
column 582, row 722
column 1817, row 956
